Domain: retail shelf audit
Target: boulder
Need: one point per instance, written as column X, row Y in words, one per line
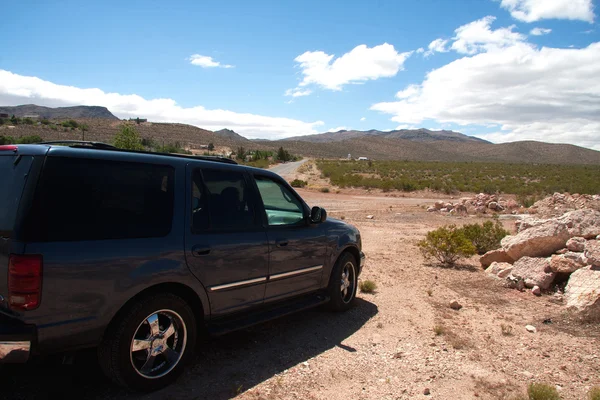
column 499, row 269
column 536, row 291
column 439, row 205
column 494, row 256
column 431, row 209
column 592, row 252
column 461, row 208
column 583, row 292
column 533, row 272
column 537, row 241
column 585, row 223
column 567, row 263
column 576, row 243
column 512, row 204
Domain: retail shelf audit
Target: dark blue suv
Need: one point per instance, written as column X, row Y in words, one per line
column 135, row 253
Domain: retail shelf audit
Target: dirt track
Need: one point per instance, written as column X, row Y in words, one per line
column 384, row 348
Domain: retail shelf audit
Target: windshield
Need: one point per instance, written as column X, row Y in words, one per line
column 13, row 170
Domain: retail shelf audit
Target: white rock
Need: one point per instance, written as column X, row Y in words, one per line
column 583, row 291
column 531, row 328
column 537, row 241
column 370, row 217
column 534, row 272
column 536, row 290
column 499, row 269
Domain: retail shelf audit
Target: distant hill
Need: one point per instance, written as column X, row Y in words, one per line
column 59, row 112
column 415, row 135
column 231, row 135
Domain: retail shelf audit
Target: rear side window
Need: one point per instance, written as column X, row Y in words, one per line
column 84, row 199
column 222, row 201
column 13, row 175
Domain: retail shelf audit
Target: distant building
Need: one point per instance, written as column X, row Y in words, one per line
column 349, row 156
column 363, row 159
column 4, row 115
column 139, row 120
column 32, row 116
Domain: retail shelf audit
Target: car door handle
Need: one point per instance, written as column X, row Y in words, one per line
column 281, row 243
column 198, row 251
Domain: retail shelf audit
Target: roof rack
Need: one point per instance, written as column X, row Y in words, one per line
column 106, row 146
column 82, row 143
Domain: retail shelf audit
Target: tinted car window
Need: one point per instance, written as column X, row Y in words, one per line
column 13, row 174
column 84, row 199
column 221, row 201
column 281, row 206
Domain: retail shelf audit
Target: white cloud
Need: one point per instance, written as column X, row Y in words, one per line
column 206, row 62
column 297, row 92
column 540, row 31
column 478, row 36
column 337, row 129
column 535, row 10
column 548, row 94
column 359, row 65
column 420, row 50
column 363, row 119
column 17, row 89
column 437, row 46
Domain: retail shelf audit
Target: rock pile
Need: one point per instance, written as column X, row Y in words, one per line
column 560, row 203
column 482, row 203
column 543, row 249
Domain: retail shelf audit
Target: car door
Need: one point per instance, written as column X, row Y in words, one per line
column 297, row 248
column 226, row 243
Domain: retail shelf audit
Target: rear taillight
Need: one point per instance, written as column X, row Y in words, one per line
column 8, row 147
column 24, row 281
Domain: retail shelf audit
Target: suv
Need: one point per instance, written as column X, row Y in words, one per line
column 136, row 253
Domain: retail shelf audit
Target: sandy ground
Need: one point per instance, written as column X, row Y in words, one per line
column 383, row 348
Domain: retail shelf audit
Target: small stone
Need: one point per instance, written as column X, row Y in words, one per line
column 455, row 305
column 536, row 290
column 531, row 328
column 370, row 217
column 426, row 392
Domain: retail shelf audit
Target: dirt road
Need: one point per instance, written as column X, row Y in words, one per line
column 398, row 343
column 287, row 169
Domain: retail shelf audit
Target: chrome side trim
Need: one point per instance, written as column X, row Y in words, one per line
column 235, row 284
column 296, row 272
column 14, row 352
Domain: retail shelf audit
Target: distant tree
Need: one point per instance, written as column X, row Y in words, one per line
column 241, row 153
column 211, row 146
column 14, row 120
column 83, row 128
column 128, row 139
column 283, row 155
column 137, row 120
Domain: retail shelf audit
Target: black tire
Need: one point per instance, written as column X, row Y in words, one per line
column 133, row 368
column 340, row 300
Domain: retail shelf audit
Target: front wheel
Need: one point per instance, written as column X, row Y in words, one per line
column 150, row 343
column 343, row 283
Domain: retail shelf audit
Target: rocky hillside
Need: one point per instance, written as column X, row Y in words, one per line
column 231, row 135
column 416, row 135
column 59, row 112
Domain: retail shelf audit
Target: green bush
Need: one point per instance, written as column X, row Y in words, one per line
column 28, row 121
column 485, row 237
column 447, row 245
column 594, row 393
column 7, row 140
column 70, row 124
column 172, row 148
column 128, row 139
column 542, row 391
column 29, row 139
column 298, row 183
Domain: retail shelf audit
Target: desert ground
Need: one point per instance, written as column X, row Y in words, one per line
column 401, row 342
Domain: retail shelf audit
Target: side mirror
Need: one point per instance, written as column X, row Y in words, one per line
column 318, row 215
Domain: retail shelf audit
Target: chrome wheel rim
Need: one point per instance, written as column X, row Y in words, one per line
column 158, row 344
column 348, row 282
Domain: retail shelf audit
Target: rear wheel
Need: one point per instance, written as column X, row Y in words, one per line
column 148, row 346
column 343, row 283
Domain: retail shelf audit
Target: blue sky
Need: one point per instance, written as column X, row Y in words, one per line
column 504, row 70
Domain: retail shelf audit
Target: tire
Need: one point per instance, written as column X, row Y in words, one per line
column 342, row 288
column 165, row 332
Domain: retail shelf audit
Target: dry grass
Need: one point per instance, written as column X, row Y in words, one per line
column 542, row 391
column 439, row 329
column 507, row 330
column 368, row 286
column 594, row 393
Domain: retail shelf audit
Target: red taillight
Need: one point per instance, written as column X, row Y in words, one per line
column 24, row 281
column 9, row 147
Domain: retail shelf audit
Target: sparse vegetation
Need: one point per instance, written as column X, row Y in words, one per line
column 447, row 245
column 485, row 237
column 542, row 391
column 430, row 292
column 368, row 286
column 70, row 124
column 298, row 183
column 439, row 329
column 507, row 330
column 594, row 393
column 530, row 181
column 324, row 190
column 22, row 140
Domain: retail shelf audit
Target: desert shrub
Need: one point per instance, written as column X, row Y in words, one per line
column 324, row 190
column 28, row 121
column 260, row 163
column 447, row 245
column 542, row 391
column 54, row 127
column 507, row 330
column 439, row 330
column 594, row 393
column 128, row 139
column 70, row 124
column 172, row 148
column 368, row 286
column 29, row 139
column 7, row 140
column 298, row 183
column 45, row 121
column 485, row 237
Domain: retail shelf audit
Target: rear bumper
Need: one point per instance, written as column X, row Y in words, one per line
column 16, row 339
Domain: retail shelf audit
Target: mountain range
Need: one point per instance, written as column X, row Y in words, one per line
column 58, row 112
column 415, row 135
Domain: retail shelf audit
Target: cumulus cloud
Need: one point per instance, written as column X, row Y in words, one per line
column 535, row 10
column 540, row 31
column 206, row 62
column 337, row 129
column 18, row 89
column 548, row 94
column 359, row 65
column 297, row 92
column 420, row 50
column 363, row 119
column 478, row 36
column 437, row 46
